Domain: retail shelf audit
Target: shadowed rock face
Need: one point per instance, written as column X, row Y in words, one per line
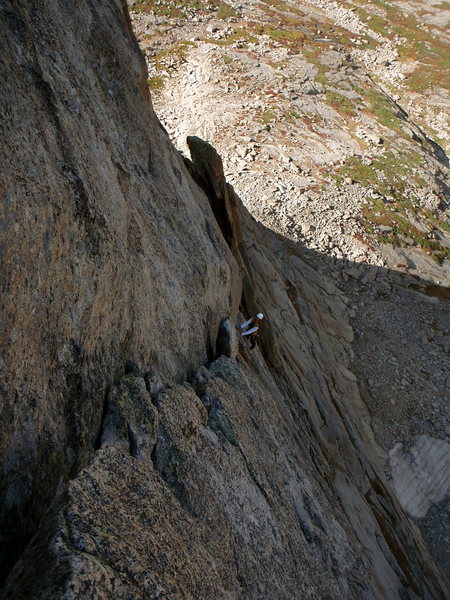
column 213, row 477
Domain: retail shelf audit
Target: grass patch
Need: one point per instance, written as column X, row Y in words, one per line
column 225, row 11
column 283, row 19
column 291, row 38
column 428, row 51
column 403, row 232
column 437, row 221
column 178, row 9
column 267, row 117
column 392, row 175
column 227, row 59
column 156, row 84
column 283, row 6
column 291, row 116
column 287, row 37
column 385, row 111
column 313, row 57
column 174, row 56
column 387, row 174
column 172, row 8
column 376, row 23
column 321, row 76
column 313, row 116
column 237, row 36
column 340, row 103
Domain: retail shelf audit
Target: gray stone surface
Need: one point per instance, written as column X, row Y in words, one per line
column 421, row 476
column 109, row 251
column 203, row 478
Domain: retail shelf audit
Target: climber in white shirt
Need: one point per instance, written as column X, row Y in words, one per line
column 251, row 327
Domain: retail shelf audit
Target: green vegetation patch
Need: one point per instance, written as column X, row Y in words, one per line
column 280, row 5
column 177, row 9
column 170, row 8
column 374, row 22
column 174, row 56
column 430, row 52
column 225, row 11
column 403, row 233
column 340, row 103
column 283, row 19
column 267, row 116
column 386, row 174
column 156, row 84
column 291, row 116
column 284, row 36
column 393, row 175
column 278, row 114
column 237, row 36
column 385, row 111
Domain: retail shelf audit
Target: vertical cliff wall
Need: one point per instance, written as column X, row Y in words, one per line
column 140, row 463
column 109, row 254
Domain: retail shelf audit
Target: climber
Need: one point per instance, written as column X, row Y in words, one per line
column 252, row 328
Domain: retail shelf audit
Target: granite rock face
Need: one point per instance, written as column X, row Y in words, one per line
column 141, row 462
column 109, row 253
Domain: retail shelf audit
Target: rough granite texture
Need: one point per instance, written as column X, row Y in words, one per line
column 143, row 464
column 109, row 253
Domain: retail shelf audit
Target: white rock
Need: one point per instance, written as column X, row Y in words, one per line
column 421, row 477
